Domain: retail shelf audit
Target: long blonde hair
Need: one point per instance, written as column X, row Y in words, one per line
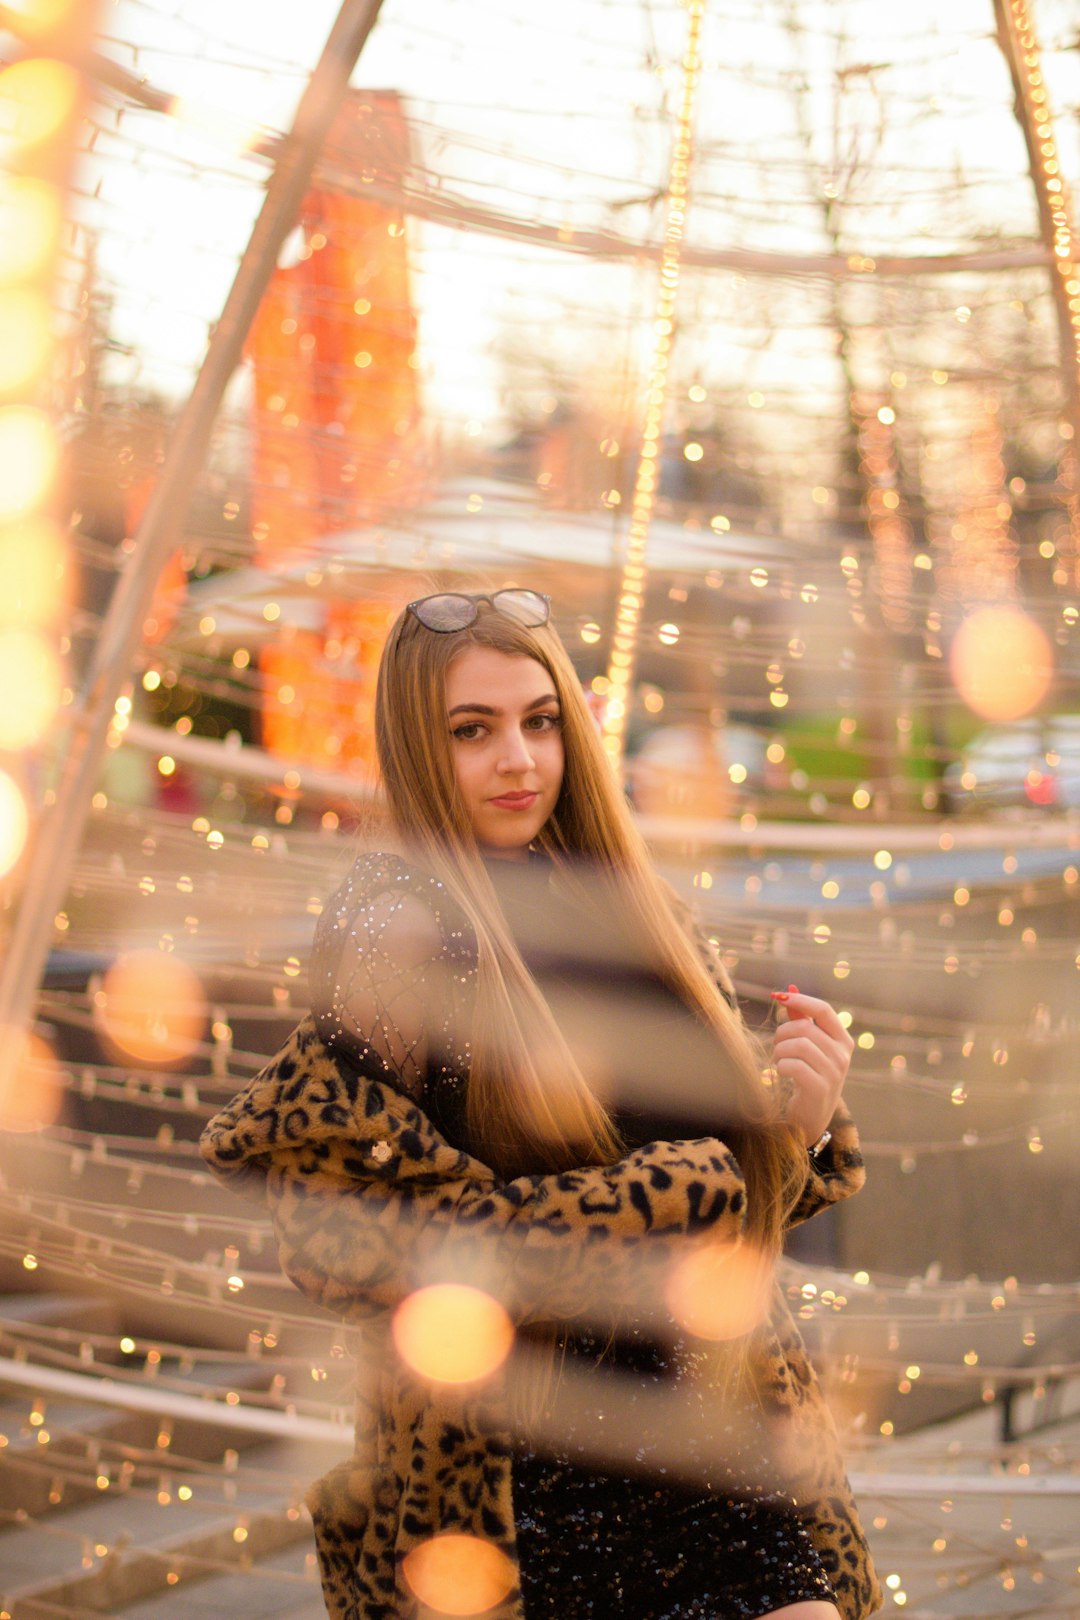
column 528, row 1104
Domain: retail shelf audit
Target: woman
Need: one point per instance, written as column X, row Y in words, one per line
column 524, row 1068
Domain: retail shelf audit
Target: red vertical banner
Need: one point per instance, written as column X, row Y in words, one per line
column 319, row 704
column 336, row 423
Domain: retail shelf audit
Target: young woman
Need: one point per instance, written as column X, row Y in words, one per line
column 524, row 1065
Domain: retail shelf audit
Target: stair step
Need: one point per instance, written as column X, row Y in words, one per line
column 84, row 1314
column 81, row 1434
column 282, row 1586
column 43, row 1562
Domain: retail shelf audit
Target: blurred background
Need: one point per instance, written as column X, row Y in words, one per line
column 751, row 332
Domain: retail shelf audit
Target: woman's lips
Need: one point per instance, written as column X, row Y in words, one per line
column 515, row 801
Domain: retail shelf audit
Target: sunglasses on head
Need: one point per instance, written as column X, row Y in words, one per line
column 455, row 610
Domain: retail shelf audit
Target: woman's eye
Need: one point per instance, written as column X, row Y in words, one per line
column 473, row 730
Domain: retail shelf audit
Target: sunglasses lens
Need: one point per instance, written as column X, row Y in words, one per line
column 527, row 607
column 446, row 612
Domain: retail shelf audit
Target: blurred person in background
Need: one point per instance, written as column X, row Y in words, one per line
column 525, row 1067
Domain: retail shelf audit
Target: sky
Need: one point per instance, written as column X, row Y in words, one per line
column 562, row 114
column 189, row 226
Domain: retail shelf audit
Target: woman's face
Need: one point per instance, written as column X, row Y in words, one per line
column 506, row 741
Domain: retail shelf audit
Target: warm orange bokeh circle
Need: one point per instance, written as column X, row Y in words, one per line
column 459, row 1574
column 30, row 1089
column 721, row 1291
column 1002, row 662
column 452, row 1333
column 151, row 1007
column 14, row 823
column 37, row 97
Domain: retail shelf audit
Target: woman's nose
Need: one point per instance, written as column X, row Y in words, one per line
column 516, row 755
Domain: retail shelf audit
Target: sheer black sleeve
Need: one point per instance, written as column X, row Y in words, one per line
column 383, row 993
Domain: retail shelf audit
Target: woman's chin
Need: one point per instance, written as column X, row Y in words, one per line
column 506, row 843
column 504, row 852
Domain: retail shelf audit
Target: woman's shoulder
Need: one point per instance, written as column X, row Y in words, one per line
column 374, row 870
column 398, row 897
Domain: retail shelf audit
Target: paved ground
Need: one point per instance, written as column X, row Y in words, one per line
column 977, row 1556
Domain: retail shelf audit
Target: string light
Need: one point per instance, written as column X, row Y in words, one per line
column 889, row 527
column 1025, row 58
column 646, row 482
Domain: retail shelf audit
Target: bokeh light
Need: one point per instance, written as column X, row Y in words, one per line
column 29, row 225
column 459, row 1574
column 14, row 823
column 720, row 1291
column 29, row 456
column 223, row 129
column 151, row 1007
column 39, row 17
column 25, row 337
column 37, row 97
column 30, row 667
column 30, row 1090
column 452, row 1333
column 33, row 573
column 1001, row 662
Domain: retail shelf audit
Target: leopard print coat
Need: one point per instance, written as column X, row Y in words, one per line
column 369, row 1202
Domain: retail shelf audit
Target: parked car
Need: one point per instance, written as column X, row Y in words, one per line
column 1030, row 762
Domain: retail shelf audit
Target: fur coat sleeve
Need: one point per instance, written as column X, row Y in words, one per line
column 369, row 1201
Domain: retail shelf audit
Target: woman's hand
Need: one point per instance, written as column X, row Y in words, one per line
column 812, row 1050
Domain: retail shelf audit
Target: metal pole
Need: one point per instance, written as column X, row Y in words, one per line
column 161, row 530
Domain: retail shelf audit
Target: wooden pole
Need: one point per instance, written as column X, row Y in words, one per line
column 161, row 530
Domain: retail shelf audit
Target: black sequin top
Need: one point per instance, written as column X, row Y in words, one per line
column 393, row 978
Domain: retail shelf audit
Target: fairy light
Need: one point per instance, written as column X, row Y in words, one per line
column 1025, row 59
column 984, row 556
column 40, row 99
column 889, row 527
column 29, row 460
column 647, row 478
column 223, row 129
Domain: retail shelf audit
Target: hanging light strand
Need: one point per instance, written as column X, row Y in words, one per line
column 647, row 479
column 1017, row 29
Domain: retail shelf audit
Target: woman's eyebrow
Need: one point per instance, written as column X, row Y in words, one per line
column 485, row 708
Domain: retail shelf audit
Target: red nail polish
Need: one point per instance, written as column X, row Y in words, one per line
column 779, row 995
column 793, row 989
